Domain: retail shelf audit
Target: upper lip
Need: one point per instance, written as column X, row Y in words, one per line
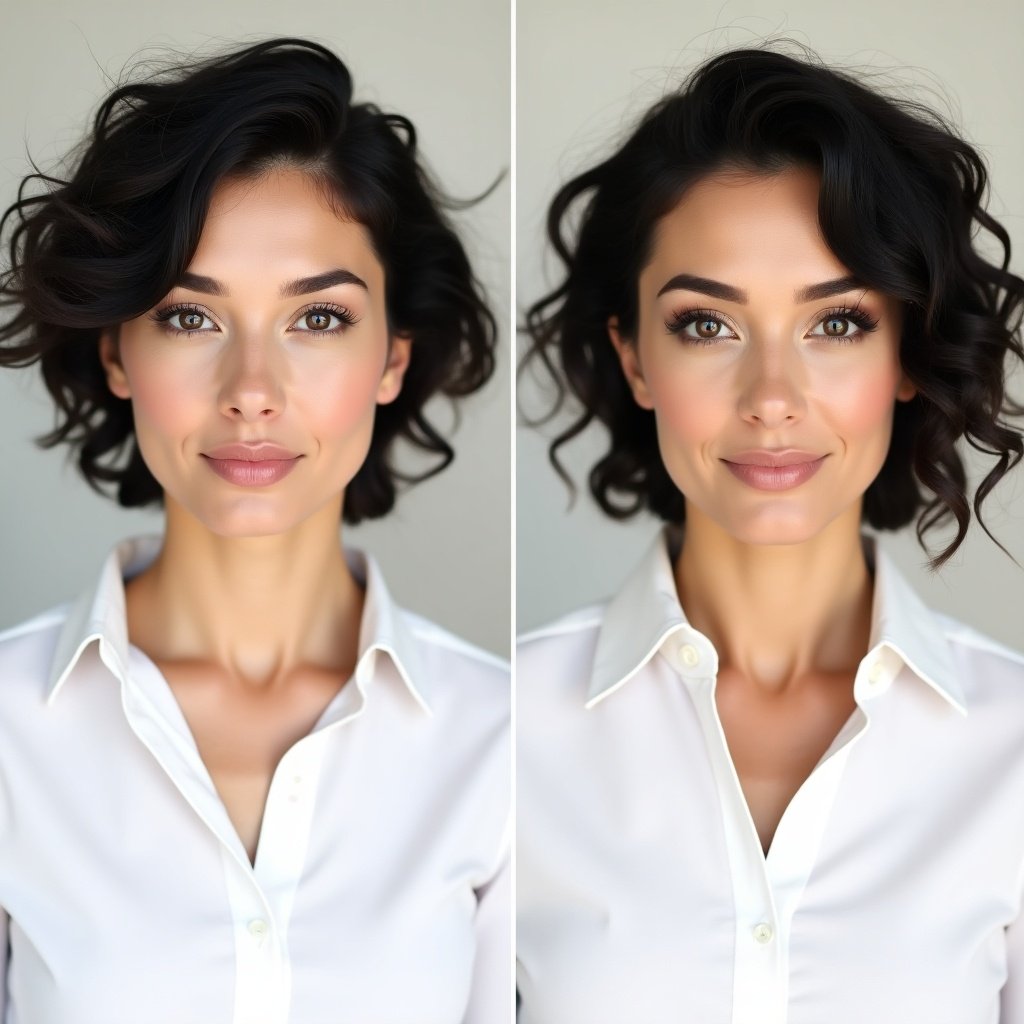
column 251, row 451
column 773, row 457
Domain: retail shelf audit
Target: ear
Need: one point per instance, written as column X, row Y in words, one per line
column 110, row 357
column 629, row 358
column 399, row 353
column 906, row 390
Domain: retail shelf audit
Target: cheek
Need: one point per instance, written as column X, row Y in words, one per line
column 690, row 403
column 166, row 395
column 342, row 399
column 860, row 402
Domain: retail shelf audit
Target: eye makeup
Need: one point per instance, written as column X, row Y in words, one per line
column 164, row 318
column 684, row 318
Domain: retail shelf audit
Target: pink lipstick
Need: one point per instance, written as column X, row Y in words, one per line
column 769, row 470
column 251, row 463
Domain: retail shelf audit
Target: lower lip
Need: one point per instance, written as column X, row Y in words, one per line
column 775, row 478
column 251, row 474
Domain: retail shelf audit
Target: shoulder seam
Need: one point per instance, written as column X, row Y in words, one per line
column 560, row 628
column 440, row 637
column 36, row 624
column 979, row 641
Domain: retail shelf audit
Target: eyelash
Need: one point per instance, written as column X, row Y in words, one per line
column 854, row 314
column 162, row 317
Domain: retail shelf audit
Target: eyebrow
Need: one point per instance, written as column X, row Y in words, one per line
column 301, row 286
column 822, row 290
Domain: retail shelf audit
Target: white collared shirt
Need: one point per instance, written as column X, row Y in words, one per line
column 380, row 891
column 891, row 893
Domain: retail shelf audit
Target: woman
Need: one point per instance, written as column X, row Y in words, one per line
column 237, row 781
column 764, row 782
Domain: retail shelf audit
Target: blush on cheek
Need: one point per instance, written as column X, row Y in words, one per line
column 166, row 399
column 863, row 403
column 687, row 411
column 341, row 401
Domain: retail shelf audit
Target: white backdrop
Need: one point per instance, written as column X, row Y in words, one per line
column 585, row 73
column 446, row 548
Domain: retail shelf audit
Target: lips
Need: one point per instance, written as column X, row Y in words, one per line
column 773, row 457
column 251, row 451
column 767, row 470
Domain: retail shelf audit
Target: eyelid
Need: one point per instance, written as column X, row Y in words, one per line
column 165, row 313
column 860, row 318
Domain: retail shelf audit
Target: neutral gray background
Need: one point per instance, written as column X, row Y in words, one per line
column 585, row 72
column 445, row 550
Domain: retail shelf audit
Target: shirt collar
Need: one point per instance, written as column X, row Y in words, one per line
column 99, row 614
column 646, row 612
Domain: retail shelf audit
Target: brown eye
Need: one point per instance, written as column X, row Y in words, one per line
column 191, row 321
column 837, row 325
column 317, row 320
column 708, row 328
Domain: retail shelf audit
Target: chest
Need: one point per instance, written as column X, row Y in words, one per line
column 776, row 739
column 644, row 896
column 242, row 732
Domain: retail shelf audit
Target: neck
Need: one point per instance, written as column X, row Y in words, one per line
column 257, row 608
column 778, row 614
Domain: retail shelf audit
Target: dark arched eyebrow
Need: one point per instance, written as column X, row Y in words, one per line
column 301, row 286
column 716, row 289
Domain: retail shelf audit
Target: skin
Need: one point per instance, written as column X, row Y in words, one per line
column 776, row 580
column 250, row 610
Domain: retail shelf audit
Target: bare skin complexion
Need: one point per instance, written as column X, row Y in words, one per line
column 776, row 579
column 250, row 610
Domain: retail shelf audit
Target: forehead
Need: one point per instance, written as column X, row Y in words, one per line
column 275, row 224
column 739, row 226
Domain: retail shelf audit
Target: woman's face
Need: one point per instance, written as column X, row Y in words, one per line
column 246, row 350
column 748, row 339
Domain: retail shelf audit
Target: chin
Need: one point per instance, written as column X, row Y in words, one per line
column 771, row 527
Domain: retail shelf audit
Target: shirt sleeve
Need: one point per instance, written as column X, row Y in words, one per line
column 4, row 956
column 1012, row 997
column 491, row 996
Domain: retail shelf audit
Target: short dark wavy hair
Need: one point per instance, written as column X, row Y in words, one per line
column 901, row 194
column 107, row 243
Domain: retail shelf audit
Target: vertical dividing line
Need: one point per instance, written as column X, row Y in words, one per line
column 512, row 321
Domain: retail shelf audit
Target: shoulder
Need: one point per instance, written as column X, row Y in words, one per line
column 434, row 641
column 557, row 658
column 985, row 665
column 455, row 673
column 27, row 650
column 569, row 634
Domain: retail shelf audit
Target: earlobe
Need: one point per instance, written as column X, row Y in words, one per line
column 906, row 390
column 629, row 359
column 110, row 359
column 399, row 354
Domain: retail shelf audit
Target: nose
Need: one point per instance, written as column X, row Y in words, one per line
column 252, row 379
column 772, row 386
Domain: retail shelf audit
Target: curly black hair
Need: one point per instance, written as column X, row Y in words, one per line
column 901, row 196
column 103, row 246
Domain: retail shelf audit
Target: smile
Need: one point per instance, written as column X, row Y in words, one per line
column 252, row 474
column 775, row 478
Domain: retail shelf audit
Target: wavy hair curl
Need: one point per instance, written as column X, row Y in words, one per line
column 901, row 197
column 106, row 243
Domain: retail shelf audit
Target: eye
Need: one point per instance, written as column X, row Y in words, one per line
column 708, row 326
column 844, row 325
column 317, row 319
column 190, row 319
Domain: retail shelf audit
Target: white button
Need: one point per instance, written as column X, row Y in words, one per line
column 763, row 933
column 876, row 673
column 689, row 655
column 257, row 927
